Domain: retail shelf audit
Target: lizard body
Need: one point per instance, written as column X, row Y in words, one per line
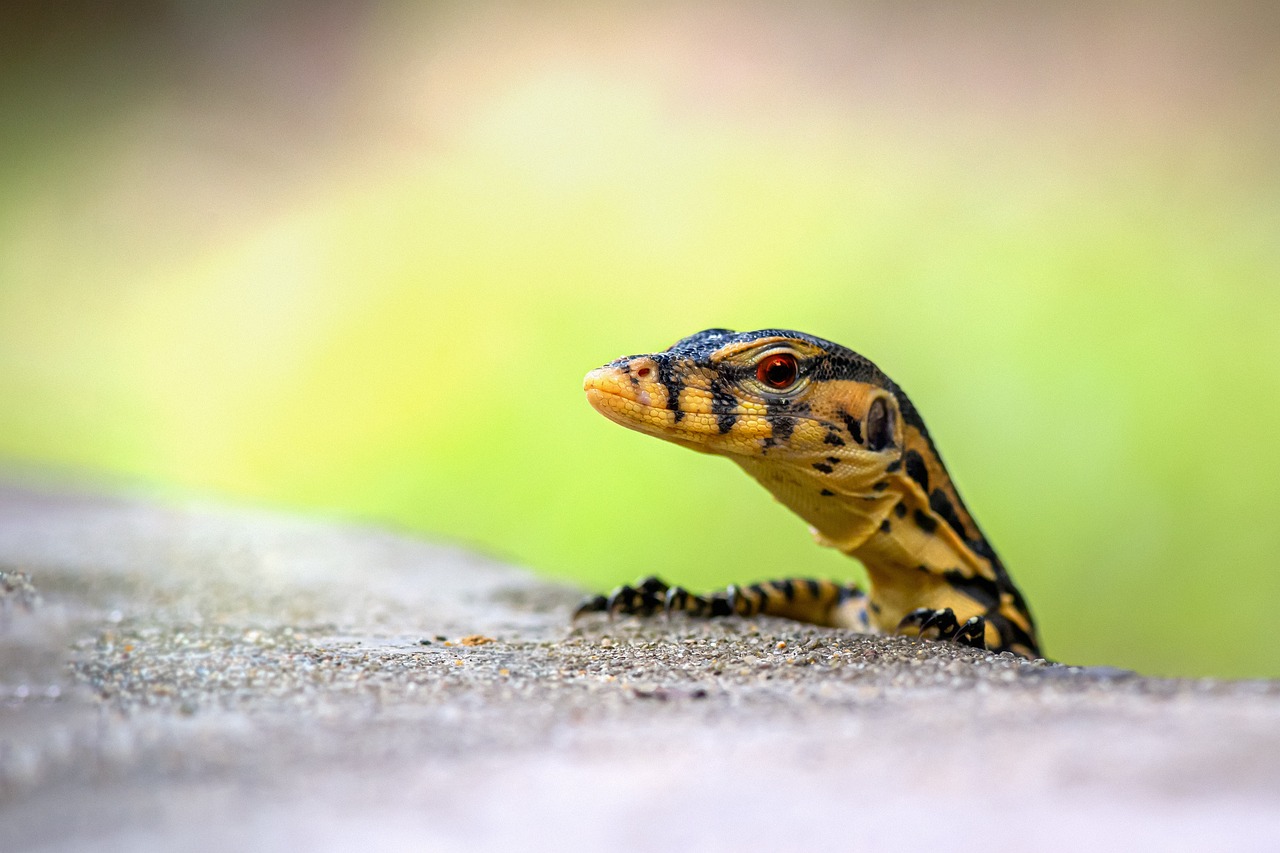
column 840, row 444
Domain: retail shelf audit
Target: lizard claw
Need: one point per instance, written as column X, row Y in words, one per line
column 931, row 624
column 972, row 633
column 591, row 604
column 923, row 619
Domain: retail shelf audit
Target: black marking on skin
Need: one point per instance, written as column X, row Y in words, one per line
column 916, row 469
column 787, row 589
column 815, row 588
column 981, row 590
column 823, row 467
column 834, row 460
column 893, row 466
column 880, row 486
column 927, row 522
column 853, row 426
column 983, row 549
column 826, row 493
column 924, row 569
column 723, row 403
column 668, row 379
column 884, row 526
column 941, row 504
column 900, row 509
column 1011, row 634
column 782, row 413
column 873, row 607
column 833, row 439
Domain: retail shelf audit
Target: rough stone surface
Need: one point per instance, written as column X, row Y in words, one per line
column 207, row 679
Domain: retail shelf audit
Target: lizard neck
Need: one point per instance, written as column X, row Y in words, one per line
column 912, row 547
column 915, row 559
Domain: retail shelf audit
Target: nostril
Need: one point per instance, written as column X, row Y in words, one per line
column 643, row 372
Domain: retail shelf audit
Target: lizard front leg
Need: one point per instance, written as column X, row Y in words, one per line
column 816, row 602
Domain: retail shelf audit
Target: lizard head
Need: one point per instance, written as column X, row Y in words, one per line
column 781, row 395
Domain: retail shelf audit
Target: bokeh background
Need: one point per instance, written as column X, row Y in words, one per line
column 354, row 259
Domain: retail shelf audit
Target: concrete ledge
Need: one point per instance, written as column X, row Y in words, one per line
column 206, row 679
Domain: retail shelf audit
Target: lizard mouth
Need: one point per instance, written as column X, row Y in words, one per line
column 612, row 392
column 613, row 382
column 635, row 399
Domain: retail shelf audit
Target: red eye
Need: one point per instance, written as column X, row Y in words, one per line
column 778, row 370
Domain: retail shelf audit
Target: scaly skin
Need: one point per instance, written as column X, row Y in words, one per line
column 841, row 445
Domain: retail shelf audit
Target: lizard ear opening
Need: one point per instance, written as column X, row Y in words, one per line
column 879, row 425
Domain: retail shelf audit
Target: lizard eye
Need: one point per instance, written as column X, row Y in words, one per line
column 778, row 370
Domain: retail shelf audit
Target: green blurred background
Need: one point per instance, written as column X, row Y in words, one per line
column 354, row 259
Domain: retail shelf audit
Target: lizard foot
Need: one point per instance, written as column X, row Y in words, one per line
column 930, row 624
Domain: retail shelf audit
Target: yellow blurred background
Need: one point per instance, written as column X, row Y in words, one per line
column 355, row 259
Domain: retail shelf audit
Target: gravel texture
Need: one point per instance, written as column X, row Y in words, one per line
column 207, row 679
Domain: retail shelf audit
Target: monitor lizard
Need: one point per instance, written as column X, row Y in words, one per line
column 840, row 444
